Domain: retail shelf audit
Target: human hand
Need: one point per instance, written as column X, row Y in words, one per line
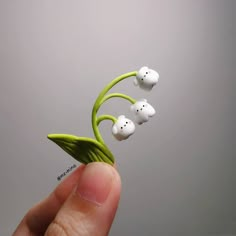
column 84, row 204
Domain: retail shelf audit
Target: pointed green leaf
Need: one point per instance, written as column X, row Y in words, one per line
column 83, row 149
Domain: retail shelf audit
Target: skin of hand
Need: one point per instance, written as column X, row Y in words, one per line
column 84, row 204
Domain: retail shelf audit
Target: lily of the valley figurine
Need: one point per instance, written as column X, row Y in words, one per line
column 86, row 149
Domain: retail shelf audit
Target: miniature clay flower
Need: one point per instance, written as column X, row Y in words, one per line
column 146, row 78
column 85, row 149
column 123, row 128
column 142, row 111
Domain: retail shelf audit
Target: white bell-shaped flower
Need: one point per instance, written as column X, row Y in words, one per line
column 146, row 78
column 142, row 111
column 123, row 128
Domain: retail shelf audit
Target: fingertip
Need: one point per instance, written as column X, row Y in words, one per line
column 96, row 182
column 92, row 205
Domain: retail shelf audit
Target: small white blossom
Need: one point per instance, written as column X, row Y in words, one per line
column 142, row 111
column 146, row 78
column 123, row 128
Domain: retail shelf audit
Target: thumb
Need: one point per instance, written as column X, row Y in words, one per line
column 91, row 207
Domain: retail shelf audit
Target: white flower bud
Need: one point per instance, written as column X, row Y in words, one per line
column 146, row 78
column 142, row 111
column 123, row 128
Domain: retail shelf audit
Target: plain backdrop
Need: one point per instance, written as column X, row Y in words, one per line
column 178, row 170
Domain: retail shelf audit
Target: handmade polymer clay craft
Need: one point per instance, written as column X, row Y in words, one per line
column 86, row 149
column 142, row 111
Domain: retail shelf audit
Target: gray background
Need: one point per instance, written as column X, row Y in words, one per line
column 178, row 169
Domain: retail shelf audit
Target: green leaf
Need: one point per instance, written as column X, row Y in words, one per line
column 83, row 149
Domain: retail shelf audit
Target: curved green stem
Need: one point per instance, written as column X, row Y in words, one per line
column 106, row 117
column 121, row 95
column 99, row 99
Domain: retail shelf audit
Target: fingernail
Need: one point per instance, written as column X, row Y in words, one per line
column 96, row 182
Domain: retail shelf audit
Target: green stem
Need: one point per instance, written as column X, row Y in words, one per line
column 100, row 98
column 106, row 117
column 121, row 95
